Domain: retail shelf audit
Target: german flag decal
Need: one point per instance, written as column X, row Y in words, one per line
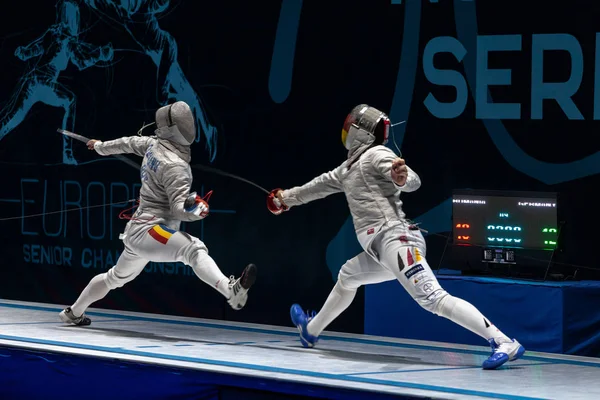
column 161, row 233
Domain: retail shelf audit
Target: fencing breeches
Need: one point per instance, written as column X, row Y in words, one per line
column 399, row 253
column 145, row 242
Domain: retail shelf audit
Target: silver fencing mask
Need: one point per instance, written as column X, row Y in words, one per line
column 368, row 119
column 175, row 123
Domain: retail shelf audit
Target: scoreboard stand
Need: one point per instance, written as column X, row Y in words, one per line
column 514, row 234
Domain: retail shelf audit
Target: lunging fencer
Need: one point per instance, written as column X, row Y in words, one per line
column 372, row 178
column 166, row 199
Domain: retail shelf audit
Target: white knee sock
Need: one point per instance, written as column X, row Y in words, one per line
column 94, row 291
column 207, row 270
column 466, row 315
column 339, row 299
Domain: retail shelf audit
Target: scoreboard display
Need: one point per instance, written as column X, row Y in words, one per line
column 505, row 219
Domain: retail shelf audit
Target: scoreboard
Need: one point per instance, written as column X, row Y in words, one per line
column 526, row 220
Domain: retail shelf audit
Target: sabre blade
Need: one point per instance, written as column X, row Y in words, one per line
column 84, row 139
column 223, row 173
column 73, row 135
column 135, row 165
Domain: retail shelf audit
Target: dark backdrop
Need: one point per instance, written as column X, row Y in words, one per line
column 276, row 79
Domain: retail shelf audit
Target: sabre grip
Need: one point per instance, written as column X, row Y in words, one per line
column 190, row 202
column 196, row 205
column 275, row 205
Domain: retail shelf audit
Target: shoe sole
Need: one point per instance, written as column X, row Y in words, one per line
column 293, row 314
column 249, row 276
column 489, row 366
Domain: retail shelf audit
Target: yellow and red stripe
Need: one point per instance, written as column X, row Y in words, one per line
column 161, row 233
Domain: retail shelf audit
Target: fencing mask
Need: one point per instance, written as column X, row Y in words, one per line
column 175, row 123
column 368, row 119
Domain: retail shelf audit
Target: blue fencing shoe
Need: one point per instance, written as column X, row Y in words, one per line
column 301, row 320
column 509, row 351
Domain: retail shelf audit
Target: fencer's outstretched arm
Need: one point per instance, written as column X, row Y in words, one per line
column 126, row 145
column 384, row 158
column 318, row 188
column 177, row 181
column 33, row 49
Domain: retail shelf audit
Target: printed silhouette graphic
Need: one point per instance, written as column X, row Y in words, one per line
column 51, row 54
column 139, row 18
column 284, row 51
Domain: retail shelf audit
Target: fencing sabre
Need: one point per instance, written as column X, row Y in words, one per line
column 198, row 167
column 85, row 140
column 219, row 172
column 394, row 137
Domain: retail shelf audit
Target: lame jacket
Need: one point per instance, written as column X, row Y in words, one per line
column 165, row 174
column 365, row 178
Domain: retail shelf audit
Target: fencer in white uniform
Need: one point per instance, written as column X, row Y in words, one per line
column 372, row 178
column 165, row 200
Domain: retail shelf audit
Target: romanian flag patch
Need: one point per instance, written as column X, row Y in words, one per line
column 161, row 233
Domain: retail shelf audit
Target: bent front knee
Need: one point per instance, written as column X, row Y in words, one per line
column 115, row 280
column 435, row 302
column 348, row 281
